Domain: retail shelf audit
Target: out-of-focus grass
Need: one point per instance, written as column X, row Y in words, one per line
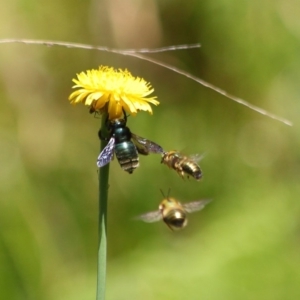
column 244, row 245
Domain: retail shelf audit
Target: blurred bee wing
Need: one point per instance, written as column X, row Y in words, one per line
column 195, row 205
column 107, row 154
column 150, row 217
column 145, row 146
column 196, row 157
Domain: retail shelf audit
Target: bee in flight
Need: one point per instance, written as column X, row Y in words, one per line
column 183, row 165
column 126, row 145
column 173, row 213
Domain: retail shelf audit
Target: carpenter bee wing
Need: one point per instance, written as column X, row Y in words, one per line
column 195, row 205
column 150, row 217
column 107, row 153
column 145, row 146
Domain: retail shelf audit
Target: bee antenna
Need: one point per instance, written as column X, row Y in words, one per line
column 162, row 193
column 125, row 115
column 169, row 190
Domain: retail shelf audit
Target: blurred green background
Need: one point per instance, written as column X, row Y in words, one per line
column 244, row 245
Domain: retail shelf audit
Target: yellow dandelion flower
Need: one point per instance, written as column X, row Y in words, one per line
column 116, row 88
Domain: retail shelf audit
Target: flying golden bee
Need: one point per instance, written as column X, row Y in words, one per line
column 173, row 213
column 183, row 165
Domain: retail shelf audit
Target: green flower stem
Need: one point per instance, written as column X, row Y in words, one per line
column 103, row 175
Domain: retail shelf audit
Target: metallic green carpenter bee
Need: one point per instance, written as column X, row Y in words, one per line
column 126, row 145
